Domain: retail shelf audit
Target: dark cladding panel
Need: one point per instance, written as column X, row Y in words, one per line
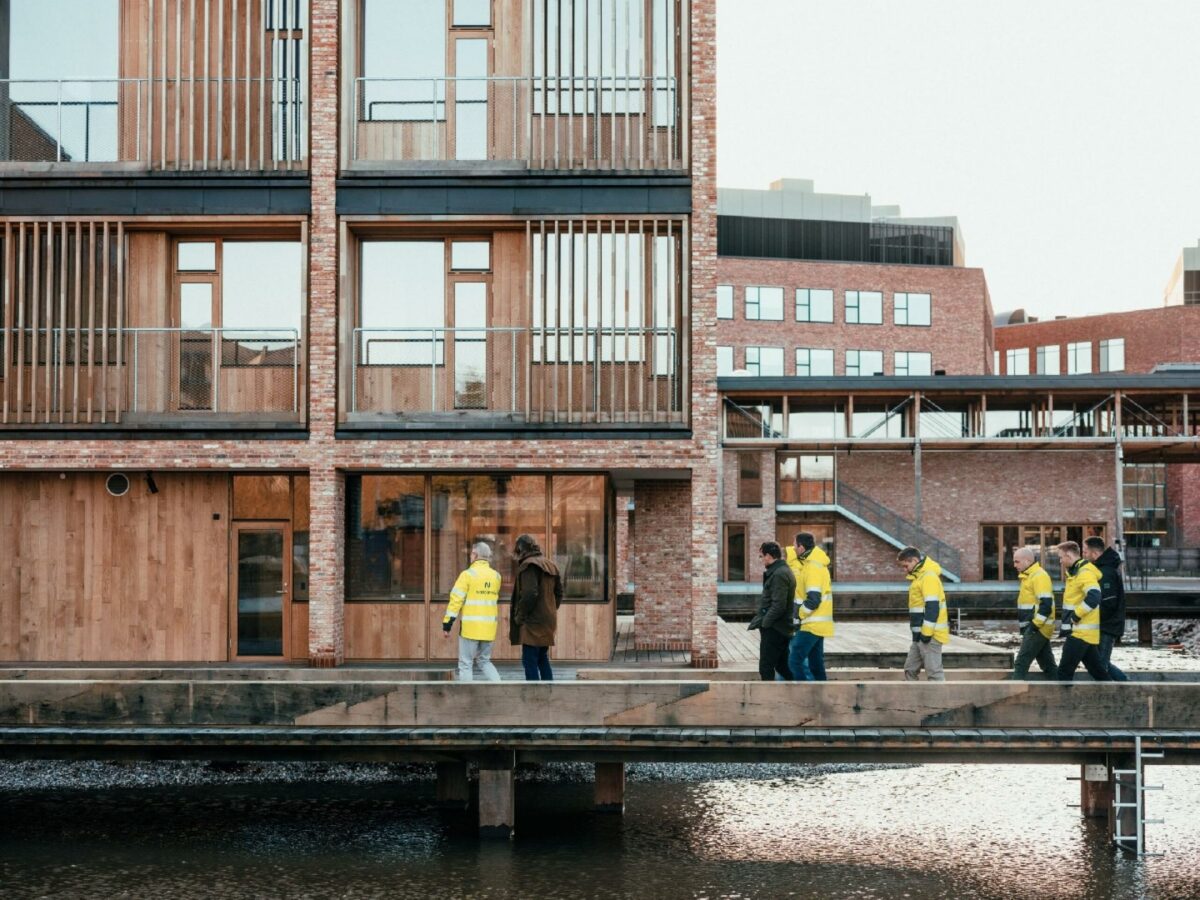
column 824, row 241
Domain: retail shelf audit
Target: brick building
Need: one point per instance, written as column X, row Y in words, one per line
column 333, row 294
column 1161, row 503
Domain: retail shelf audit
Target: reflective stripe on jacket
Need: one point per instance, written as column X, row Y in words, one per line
column 1083, row 579
column 814, row 594
column 1035, row 601
column 474, row 601
column 927, row 602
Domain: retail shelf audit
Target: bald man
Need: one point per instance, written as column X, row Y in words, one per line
column 1035, row 613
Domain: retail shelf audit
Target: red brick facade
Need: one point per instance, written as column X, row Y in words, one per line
column 662, row 615
column 958, row 335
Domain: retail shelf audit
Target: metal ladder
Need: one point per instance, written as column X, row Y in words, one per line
column 1136, row 842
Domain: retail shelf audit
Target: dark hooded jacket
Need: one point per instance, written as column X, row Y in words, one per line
column 537, row 595
column 779, row 592
column 1112, row 593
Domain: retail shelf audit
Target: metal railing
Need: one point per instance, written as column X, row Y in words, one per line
column 242, row 123
column 898, row 527
column 542, row 122
column 531, row 373
column 180, row 370
column 748, row 423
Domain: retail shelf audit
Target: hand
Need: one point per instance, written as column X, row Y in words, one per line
column 926, row 638
column 1024, row 628
column 447, row 625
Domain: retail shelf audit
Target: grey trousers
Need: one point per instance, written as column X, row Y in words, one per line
column 927, row 656
column 1034, row 645
column 475, row 656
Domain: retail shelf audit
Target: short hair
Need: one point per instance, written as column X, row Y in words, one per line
column 1026, row 548
column 908, row 553
column 805, row 540
column 482, row 550
column 772, row 549
column 1095, row 543
column 1068, row 547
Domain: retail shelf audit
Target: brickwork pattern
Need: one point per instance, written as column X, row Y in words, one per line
column 957, row 336
column 759, row 520
column 662, row 526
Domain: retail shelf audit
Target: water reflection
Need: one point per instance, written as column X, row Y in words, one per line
column 921, row 832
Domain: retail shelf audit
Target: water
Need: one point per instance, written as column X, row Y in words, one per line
column 733, row 832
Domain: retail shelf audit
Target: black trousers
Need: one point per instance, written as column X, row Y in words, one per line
column 1076, row 650
column 1034, row 645
column 772, row 655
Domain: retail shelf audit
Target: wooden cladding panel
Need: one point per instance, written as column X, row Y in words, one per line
column 386, row 631
column 91, row 577
column 62, row 314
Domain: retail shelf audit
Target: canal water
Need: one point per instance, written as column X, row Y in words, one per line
column 934, row 831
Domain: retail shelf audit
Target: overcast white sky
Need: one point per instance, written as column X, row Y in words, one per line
column 1064, row 134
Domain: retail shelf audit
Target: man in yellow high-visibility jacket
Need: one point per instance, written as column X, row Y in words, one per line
column 927, row 619
column 1080, row 616
column 1035, row 613
column 475, row 602
column 813, row 609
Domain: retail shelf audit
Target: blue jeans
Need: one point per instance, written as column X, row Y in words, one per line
column 536, row 661
column 1106, row 647
column 806, row 657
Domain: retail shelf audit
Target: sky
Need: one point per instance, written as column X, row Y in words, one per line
column 1064, row 134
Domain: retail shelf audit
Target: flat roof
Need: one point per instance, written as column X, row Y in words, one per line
column 1160, row 381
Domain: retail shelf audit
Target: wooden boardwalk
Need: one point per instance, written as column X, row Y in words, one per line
column 855, row 645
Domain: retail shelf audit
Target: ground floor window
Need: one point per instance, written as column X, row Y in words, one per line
column 734, row 568
column 409, row 536
column 999, row 541
column 1144, row 504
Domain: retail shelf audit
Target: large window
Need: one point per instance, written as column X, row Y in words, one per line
column 814, row 305
column 764, row 303
column 1047, row 360
column 1112, row 355
column 409, row 536
column 403, row 62
column 909, row 362
column 764, row 361
column 814, row 361
column 724, row 301
column 402, row 307
column 864, row 362
column 1016, row 361
column 724, row 361
column 912, row 309
column 1144, row 503
column 805, row 479
column 1079, row 358
column 864, row 308
column 999, row 541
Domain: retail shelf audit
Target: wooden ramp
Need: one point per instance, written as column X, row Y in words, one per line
column 858, row 645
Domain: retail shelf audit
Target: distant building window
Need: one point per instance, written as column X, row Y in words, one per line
column 724, row 361
column 735, row 552
column 765, row 303
column 909, row 362
column 864, row 362
column 724, row 301
column 814, row 362
column 1079, row 358
column 1112, row 355
column 1047, row 360
column 814, row 305
column 750, row 489
column 995, row 362
column 1016, row 362
column 864, row 308
column 765, row 361
column 912, row 309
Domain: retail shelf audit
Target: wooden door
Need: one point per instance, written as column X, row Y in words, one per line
column 261, row 591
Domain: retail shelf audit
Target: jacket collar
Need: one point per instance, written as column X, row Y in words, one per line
column 1076, row 566
column 916, row 572
column 1030, row 572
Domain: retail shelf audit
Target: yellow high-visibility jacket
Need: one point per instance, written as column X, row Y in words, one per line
column 796, row 563
column 1083, row 579
column 814, row 593
column 927, row 602
column 476, row 596
column 1035, row 600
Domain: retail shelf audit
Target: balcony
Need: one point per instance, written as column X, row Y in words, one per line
column 156, row 86
column 504, row 377
column 594, row 86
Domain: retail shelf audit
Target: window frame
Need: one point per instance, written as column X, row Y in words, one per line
column 857, row 307
column 748, row 495
column 1011, row 355
column 907, row 309
column 726, row 529
column 1041, row 356
column 758, row 316
column 1074, row 355
column 858, row 363
column 757, row 363
column 1106, row 347
column 809, row 365
column 906, row 354
column 732, row 360
column 808, row 304
column 732, row 301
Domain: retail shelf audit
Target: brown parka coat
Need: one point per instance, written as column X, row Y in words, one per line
column 537, row 595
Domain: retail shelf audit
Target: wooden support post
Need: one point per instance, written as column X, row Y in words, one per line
column 1145, row 631
column 453, row 786
column 1095, row 791
column 610, row 787
column 497, row 795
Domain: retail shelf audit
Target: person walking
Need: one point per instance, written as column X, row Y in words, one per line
column 1080, row 616
column 475, row 604
column 775, row 629
column 813, row 609
column 1035, row 613
column 1112, row 600
column 537, row 595
column 927, row 617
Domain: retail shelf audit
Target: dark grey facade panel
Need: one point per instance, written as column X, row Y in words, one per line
column 823, row 241
column 158, row 196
